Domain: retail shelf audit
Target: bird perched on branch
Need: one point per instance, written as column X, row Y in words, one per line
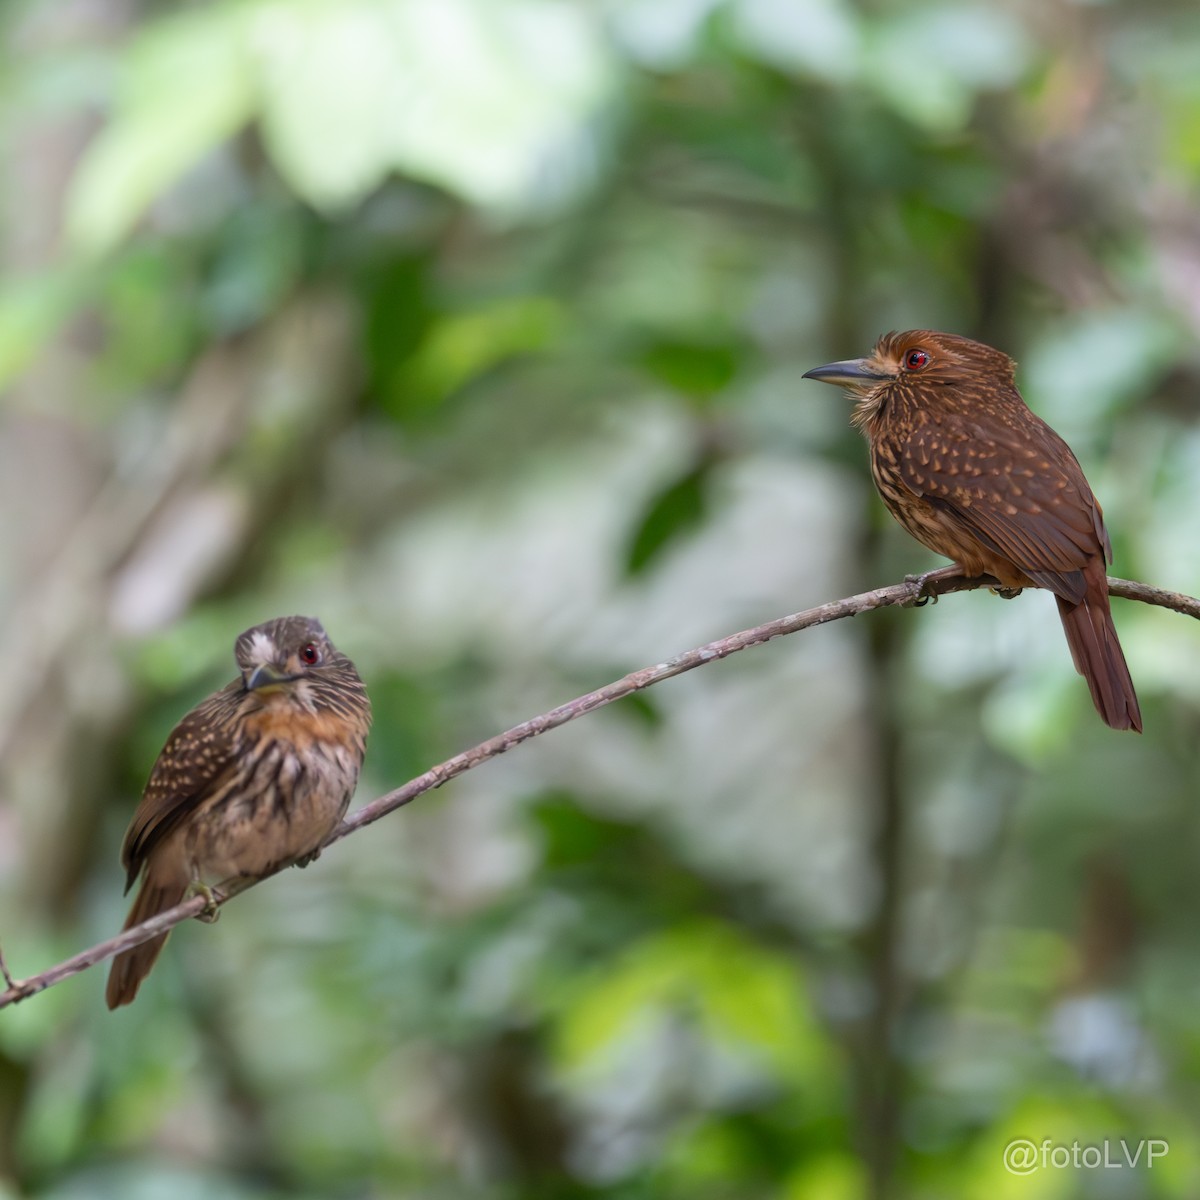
column 252, row 779
column 964, row 465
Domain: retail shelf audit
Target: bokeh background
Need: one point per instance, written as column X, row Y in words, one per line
column 476, row 327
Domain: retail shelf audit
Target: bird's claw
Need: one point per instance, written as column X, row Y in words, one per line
column 924, row 595
column 1007, row 593
column 212, row 905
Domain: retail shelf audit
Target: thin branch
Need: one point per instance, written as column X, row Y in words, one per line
column 1129, row 589
column 898, row 594
column 10, row 983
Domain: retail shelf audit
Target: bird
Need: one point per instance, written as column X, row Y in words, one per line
column 972, row 473
column 253, row 779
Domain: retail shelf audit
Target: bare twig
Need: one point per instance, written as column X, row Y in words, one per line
column 10, row 983
column 1129, row 589
column 898, row 594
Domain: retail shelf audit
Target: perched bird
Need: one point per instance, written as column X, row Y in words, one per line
column 252, row 779
column 964, row 465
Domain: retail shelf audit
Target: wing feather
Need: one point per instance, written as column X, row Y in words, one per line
column 197, row 753
column 1029, row 502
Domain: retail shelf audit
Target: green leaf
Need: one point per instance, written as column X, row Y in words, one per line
column 186, row 86
column 818, row 37
column 830, row 1177
column 461, row 347
column 674, row 512
column 482, row 97
column 741, row 995
column 930, row 63
column 492, row 100
column 699, row 369
column 1093, row 362
column 569, row 835
column 31, row 310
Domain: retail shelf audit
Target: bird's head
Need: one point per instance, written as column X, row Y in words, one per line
column 918, row 356
column 292, row 657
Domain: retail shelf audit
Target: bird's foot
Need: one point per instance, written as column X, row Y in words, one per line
column 922, row 597
column 1007, row 593
column 923, row 581
column 305, row 859
column 923, row 591
column 212, row 904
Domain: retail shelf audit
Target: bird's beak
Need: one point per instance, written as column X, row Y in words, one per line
column 265, row 678
column 850, row 372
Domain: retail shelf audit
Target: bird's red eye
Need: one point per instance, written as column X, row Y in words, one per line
column 914, row 360
column 310, row 654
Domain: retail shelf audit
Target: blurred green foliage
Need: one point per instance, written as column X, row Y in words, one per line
column 476, row 327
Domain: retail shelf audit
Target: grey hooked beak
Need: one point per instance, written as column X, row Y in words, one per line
column 850, row 372
column 266, row 677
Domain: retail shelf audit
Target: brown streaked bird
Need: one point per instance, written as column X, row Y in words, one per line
column 254, row 778
column 964, row 465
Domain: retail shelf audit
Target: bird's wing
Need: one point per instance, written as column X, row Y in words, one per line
column 1028, row 502
column 197, row 753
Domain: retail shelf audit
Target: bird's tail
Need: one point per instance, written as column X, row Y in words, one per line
column 131, row 967
column 1097, row 652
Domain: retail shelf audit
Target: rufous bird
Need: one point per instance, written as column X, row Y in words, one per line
column 965, row 466
column 253, row 779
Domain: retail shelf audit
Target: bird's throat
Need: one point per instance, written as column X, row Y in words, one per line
column 869, row 410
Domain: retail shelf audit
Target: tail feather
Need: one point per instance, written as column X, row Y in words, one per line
column 131, row 967
column 1097, row 652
